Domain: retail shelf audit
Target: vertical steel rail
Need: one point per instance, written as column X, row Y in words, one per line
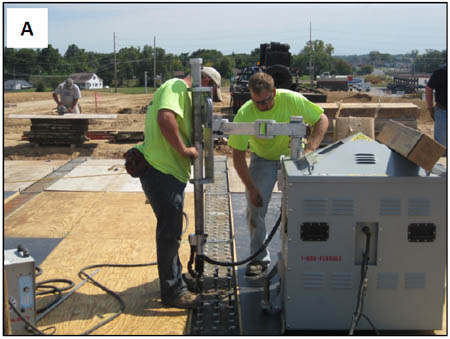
column 198, row 163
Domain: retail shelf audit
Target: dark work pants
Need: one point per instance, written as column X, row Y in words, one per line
column 166, row 196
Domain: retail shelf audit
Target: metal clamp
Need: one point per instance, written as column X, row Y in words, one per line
column 262, row 129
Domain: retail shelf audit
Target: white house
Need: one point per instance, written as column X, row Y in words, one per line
column 87, row 80
column 16, row 84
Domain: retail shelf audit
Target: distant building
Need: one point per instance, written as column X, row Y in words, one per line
column 16, row 84
column 179, row 74
column 87, row 80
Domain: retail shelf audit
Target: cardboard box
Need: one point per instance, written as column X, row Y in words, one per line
column 345, row 126
column 412, row 144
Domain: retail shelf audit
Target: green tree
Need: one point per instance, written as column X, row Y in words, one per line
column 210, row 57
column 50, row 60
column 430, row 61
column 321, row 58
column 342, row 67
column 224, row 67
column 365, row 69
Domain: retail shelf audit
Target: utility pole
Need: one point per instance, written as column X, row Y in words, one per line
column 154, row 63
column 115, row 63
column 310, row 58
column 145, row 81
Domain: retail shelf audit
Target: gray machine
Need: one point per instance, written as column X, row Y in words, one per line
column 19, row 268
column 327, row 198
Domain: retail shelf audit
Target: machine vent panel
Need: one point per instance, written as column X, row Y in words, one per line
column 365, row 159
column 315, row 206
column 390, row 207
column 421, row 232
column 341, row 280
column 342, row 207
column 314, row 231
column 415, row 280
column 313, row 280
column 418, row 207
column 387, row 281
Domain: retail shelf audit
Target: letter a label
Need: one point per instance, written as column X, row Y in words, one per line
column 26, row 27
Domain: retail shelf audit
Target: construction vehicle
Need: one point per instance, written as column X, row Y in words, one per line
column 274, row 59
column 332, row 82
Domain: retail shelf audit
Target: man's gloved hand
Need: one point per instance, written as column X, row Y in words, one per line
column 62, row 109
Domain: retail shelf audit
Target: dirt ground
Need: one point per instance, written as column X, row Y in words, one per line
column 130, row 110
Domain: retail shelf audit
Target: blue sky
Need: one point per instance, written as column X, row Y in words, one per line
column 352, row 28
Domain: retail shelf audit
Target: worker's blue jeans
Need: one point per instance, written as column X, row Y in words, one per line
column 264, row 174
column 166, row 196
column 440, row 125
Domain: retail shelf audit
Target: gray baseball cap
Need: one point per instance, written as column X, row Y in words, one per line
column 68, row 83
column 215, row 76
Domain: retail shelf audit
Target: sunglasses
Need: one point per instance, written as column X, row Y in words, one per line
column 265, row 101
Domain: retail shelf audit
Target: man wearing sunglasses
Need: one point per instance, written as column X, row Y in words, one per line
column 267, row 102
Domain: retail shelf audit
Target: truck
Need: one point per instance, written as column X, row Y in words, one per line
column 332, row 82
column 274, row 59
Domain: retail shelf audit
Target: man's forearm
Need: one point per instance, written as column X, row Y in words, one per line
column 55, row 97
column 317, row 134
column 74, row 104
column 169, row 129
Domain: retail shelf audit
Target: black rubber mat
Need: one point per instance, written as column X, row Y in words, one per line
column 39, row 248
column 7, row 194
column 254, row 320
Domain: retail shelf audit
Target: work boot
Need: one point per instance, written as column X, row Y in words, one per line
column 190, row 283
column 255, row 268
column 185, row 300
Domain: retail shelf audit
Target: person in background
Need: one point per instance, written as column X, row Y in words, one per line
column 168, row 149
column 69, row 94
column 267, row 102
column 438, row 112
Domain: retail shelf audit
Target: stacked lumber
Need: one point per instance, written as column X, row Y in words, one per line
column 404, row 113
column 67, row 129
column 58, row 132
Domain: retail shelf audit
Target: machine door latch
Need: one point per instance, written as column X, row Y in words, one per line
column 314, row 231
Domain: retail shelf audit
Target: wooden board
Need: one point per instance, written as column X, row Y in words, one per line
column 63, row 117
column 115, row 228
column 412, row 144
column 385, row 110
column 379, row 124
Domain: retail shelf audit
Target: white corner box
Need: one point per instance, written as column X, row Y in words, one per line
column 20, row 280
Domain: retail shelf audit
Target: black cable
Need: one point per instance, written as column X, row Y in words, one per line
column 29, row 326
column 186, row 217
column 262, row 248
column 83, row 275
column 52, row 289
column 370, row 323
column 362, row 286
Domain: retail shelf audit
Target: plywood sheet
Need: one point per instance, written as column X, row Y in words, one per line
column 50, row 214
column 107, row 175
column 234, row 182
column 114, row 228
column 20, row 174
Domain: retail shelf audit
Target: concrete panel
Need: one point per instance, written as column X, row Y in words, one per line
column 20, row 174
column 105, row 175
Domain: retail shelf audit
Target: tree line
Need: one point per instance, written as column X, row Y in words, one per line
column 48, row 67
